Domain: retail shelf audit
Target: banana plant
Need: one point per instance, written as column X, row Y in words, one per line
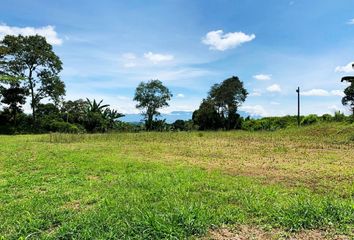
column 95, row 107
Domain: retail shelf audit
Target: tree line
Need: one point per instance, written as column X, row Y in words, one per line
column 29, row 69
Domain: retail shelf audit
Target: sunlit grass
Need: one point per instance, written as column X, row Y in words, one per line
column 175, row 185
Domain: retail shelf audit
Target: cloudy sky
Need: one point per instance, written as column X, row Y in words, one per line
column 273, row 46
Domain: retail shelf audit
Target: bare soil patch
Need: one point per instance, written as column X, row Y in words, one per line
column 255, row 233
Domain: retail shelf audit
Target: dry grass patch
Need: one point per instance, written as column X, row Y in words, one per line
column 245, row 232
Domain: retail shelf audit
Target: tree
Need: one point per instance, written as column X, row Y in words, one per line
column 14, row 97
column 348, row 99
column 74, row 111
column 219, row 109
column 100, row 117
column 96, row 107
column 111, row 116
column 31, row 60
column 227, row 97
column 94, row 121
column 150, row 97
column 206, row 117
column 179, row 125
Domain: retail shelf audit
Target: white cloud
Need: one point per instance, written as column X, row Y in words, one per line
column 129, row 65
column 180, row 95
column 274, row 103
column 256, row 110
column 334, row 108
column 256, row 93
column 274, row 88
column 216, row 40
column 351, row 21
column 157, row 57
column 263, row 77
column 183, row 75
column 337, row 93
column 48, row 32
column 315, row 92
column 129, row 60
column 322, row 93
column 129, row 56
column 345, row 69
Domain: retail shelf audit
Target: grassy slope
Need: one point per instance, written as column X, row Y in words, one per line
column 175, row 185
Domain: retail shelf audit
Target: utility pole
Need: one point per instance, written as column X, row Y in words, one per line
column 298, row 106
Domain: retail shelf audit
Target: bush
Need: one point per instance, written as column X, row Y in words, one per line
column 339, row 117
column 64, row 127
column 310, row 119
column 269, row 123
column 179, row 125
column 23, row 124
column 95, row 122
column 160, row 125
column 128, row 127
column 327, row 117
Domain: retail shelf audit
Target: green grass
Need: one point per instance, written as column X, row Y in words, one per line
column 175, row 185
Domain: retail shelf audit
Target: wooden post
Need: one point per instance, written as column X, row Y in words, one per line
column 298, row 106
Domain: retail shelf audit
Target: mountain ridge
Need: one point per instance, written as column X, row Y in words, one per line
column 170, row 117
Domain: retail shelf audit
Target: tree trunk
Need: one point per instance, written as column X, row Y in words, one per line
column 149, row 123
column 32, row 96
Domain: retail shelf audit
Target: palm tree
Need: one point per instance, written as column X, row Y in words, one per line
column 111, row 116
column 100, row 117
column 95, row 107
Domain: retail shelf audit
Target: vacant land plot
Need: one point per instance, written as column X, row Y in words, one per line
column 178, row 185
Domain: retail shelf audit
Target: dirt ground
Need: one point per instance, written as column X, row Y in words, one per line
column 254, row 233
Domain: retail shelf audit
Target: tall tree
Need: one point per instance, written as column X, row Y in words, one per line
column 14, row 97
column 151, row 96
column 227, row 97
column 348, row 99
column 75, row 111
column 206, row 117
column 31, row 60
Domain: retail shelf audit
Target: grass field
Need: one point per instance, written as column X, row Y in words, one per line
column 176, row 185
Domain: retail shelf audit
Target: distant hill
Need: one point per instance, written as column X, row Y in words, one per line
column 170, row 117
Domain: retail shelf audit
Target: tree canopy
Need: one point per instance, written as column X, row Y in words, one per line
column 14, row 97
column 151, row 96
column 31, row 60
column 348, row 99
column 219, row 109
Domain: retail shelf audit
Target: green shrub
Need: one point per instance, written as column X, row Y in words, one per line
column 310, row 119
column 351, row 138
column 179, row 125
column 128, row 127
column 64, row 127
column 269, row 123
column 327, row 117
column 339, row 117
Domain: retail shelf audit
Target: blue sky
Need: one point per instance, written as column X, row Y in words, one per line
column 273, row 46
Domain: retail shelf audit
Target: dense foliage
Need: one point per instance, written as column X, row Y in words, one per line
column 31, row 62
column 29, row 69
column 348, row 99
column 150, row 97
column 219, row 109
column 275, row 123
